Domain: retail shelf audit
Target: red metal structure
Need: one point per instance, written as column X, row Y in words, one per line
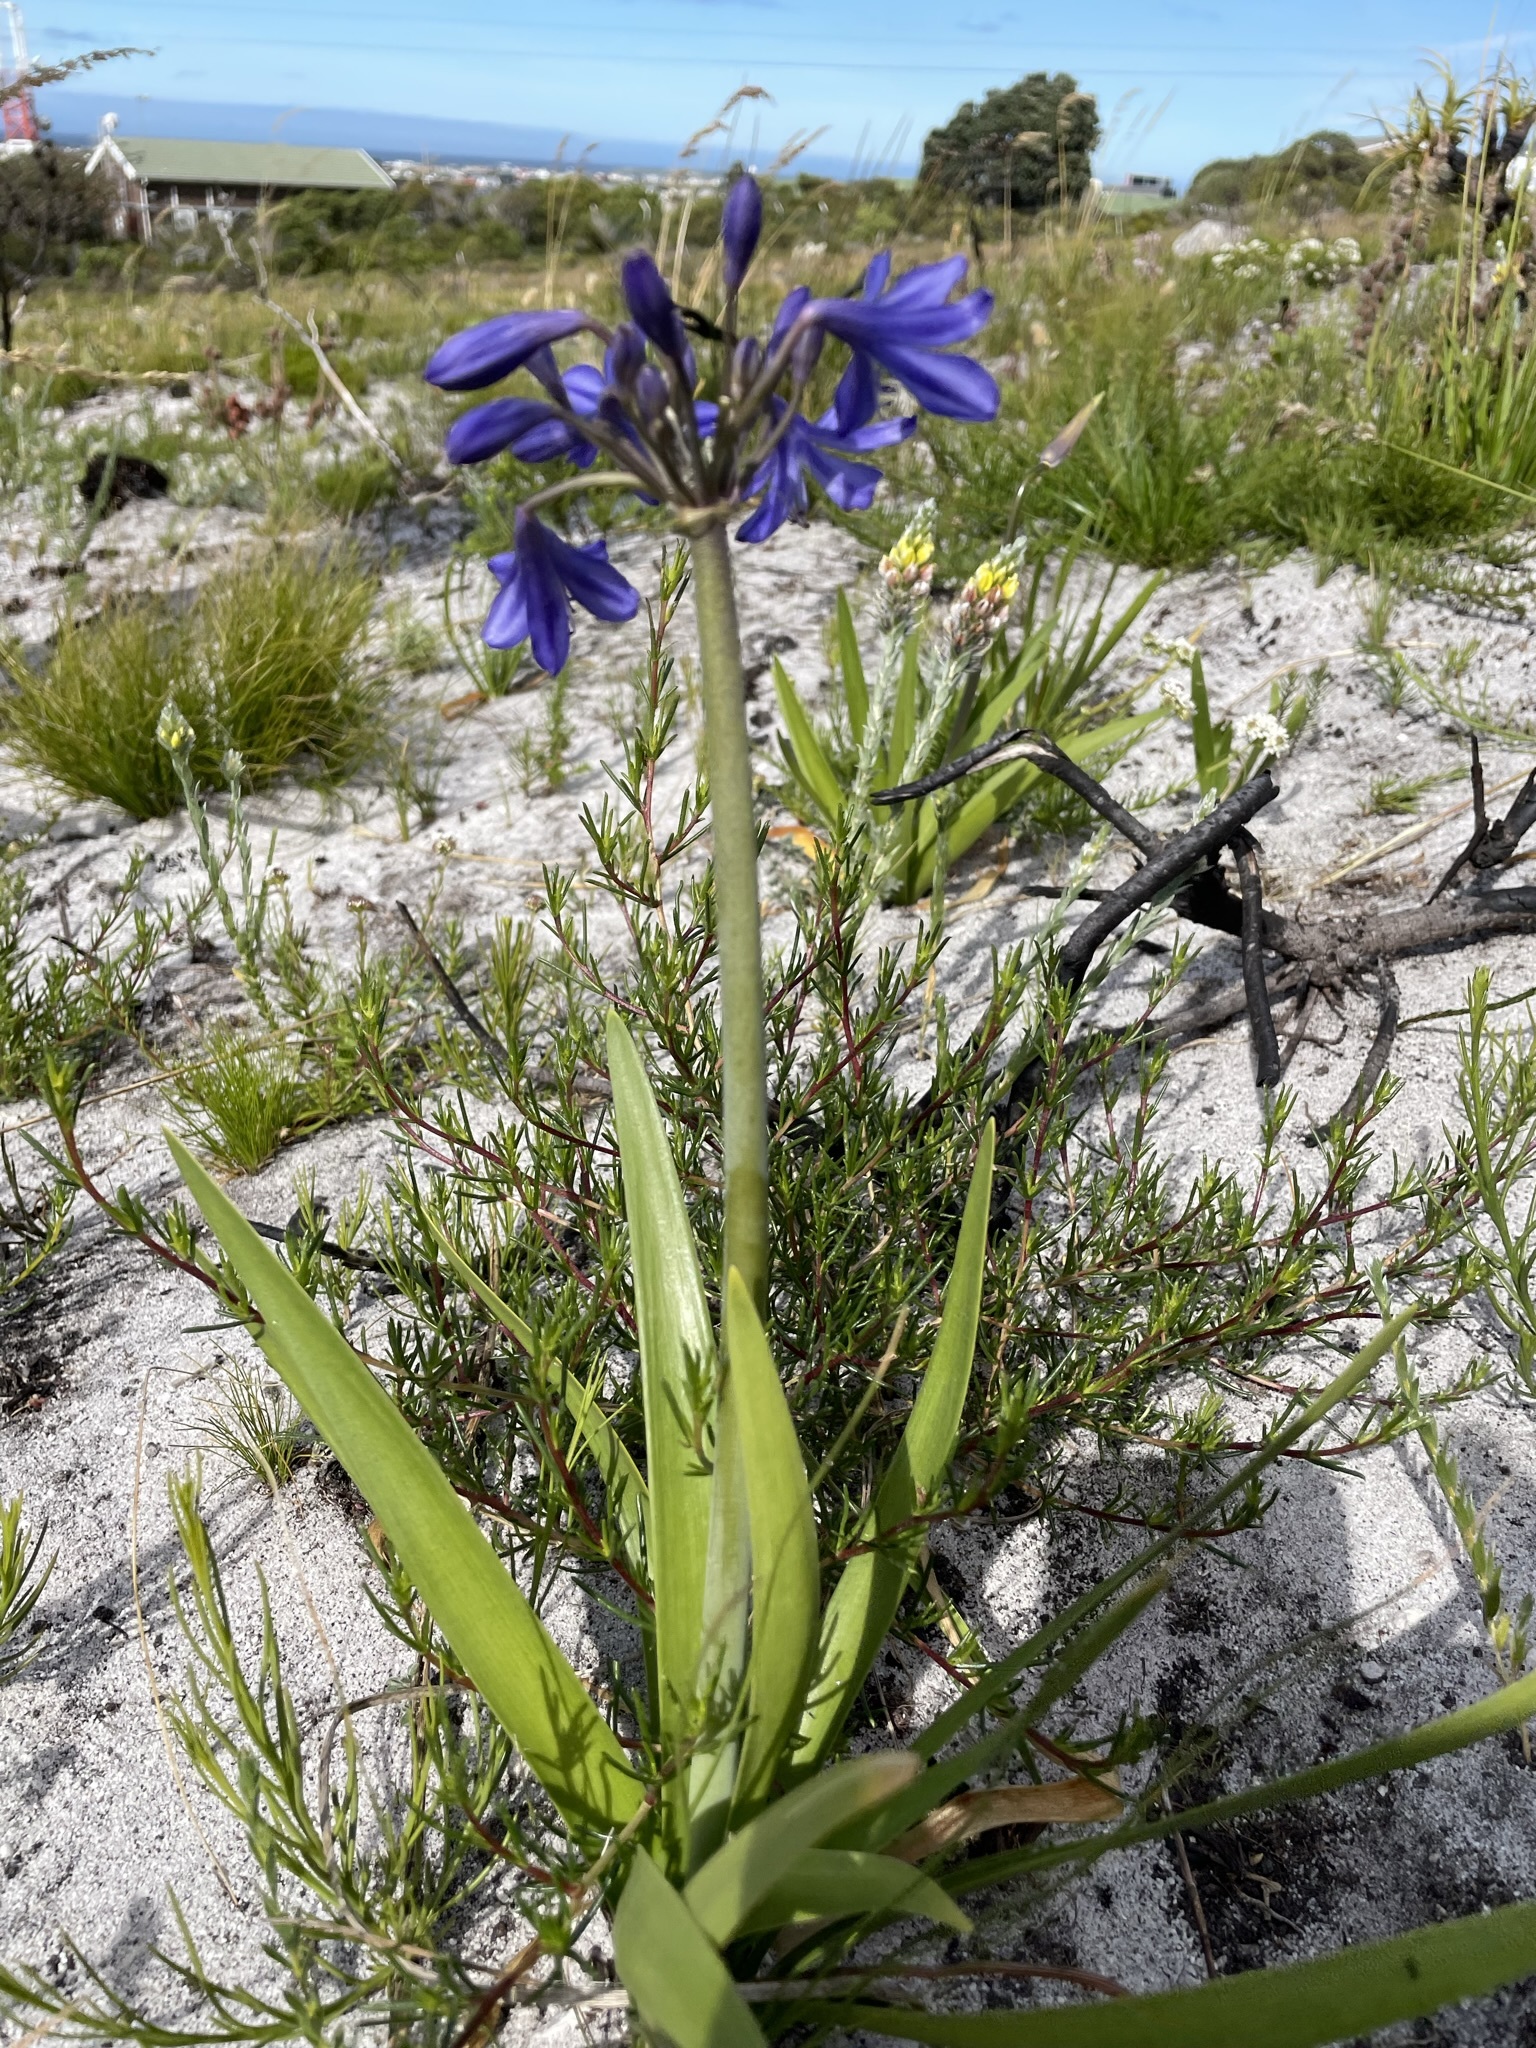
column 17, row 111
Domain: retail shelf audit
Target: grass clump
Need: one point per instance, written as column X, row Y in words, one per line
column 266, row 659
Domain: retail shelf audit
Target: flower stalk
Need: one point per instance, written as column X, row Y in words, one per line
column 752, row 449
column 744, row 1077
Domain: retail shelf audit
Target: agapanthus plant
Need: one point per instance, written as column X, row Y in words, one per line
column 745, row 454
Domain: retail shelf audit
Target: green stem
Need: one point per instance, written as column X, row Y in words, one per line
column 744, row 1109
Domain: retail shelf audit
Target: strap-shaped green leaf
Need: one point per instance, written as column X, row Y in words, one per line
column 494, row 1633
column 677, row 1373
column 810, row 760
column 725, row 1890
column 668, row 1965
column 786, row 1575
column 855, row 689
column 1300, row 2005
column 621, row 1476
column 847, row 1884
column 864, row 1602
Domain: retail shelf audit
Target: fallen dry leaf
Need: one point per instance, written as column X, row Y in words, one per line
column 800, row 837
column 1001, row 1806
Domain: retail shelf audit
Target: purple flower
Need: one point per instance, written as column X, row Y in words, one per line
column 538, row 579
column 653, row 309
column 530, row 427
column 485, row 354
column 819, row 450
column 740, row 225
column 902, row 328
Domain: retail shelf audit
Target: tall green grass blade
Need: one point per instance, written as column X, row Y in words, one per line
column 680, row 1987
column 724, row 1892
column 494, row 1633
column 866, row 1597
column 847, row 1884
column 1299, row 2005
column 855, row 689
column 1507, row 1708
column 620, row 1473
column 914, row 1802
column 1005, row 1675
column 677, row 1375
column 786, row 1576
column 808, row 758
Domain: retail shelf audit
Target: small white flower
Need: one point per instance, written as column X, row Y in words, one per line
column 1265, row 733
column 1175, row 695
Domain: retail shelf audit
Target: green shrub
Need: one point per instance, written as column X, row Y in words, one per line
column 266, row 659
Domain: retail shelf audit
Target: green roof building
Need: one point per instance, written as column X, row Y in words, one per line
column 167, row 184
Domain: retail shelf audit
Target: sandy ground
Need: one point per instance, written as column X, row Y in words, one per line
column 97, row 1826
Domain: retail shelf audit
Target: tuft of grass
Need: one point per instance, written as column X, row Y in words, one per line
column 255, row 1422
column 267, row 659
column 245, row 1098
column 22, row 1579
column 355, row 484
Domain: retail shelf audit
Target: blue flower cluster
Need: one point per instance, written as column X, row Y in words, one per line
column 751, row 445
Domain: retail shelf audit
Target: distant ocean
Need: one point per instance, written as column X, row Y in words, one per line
column 75, row 115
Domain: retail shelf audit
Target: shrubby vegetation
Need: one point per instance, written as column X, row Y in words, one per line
column 556, row 1352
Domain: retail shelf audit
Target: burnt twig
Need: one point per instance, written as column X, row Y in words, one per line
column 1389, row 1009
column 1175, row 858
column 1261, row 1023
column 1037, row 747
column 447, row 984
column 1479, row 825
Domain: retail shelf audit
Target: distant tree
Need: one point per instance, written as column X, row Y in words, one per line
column 48, row 206
column 1322, row 170
column 1027, row 144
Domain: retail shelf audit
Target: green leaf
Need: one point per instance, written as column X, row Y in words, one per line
column 786, row 1575
column 492, row 1630
column 668, row 1965
column 913, row 1803
column 1021, row 672
column 1301, row 2005
column 724, row 1892
column 864, row 1603
column 677, row 1374
column 621, row 1475
column 903, row 715
column 809, row 759
column 855, row 689
column 848, row 1884
column 989, row 1689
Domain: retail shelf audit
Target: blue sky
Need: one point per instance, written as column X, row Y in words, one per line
column 1177, row 82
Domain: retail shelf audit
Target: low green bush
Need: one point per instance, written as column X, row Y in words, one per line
column 267, row 659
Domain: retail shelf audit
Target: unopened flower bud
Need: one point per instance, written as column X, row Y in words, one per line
column 740, row 226
column 907, row 569
column 650, row 393
column 173, row 732
column 745, row 364
column 625, row 355
column 803, row 356
column 651, row 304
column 984, row 603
